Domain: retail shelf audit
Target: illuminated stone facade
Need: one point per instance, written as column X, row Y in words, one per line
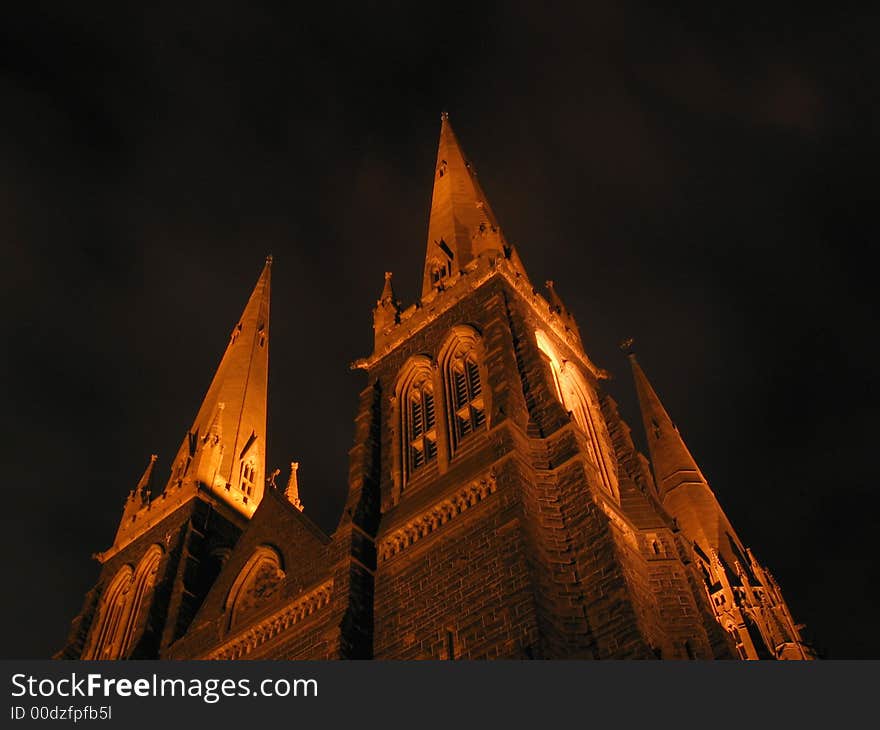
column 497, row 507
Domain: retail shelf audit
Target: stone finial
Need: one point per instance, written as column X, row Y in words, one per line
column 291, row 491
column 626, row 346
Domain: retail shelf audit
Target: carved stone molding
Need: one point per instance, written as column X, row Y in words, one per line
column 301, row 608
column 436, row 516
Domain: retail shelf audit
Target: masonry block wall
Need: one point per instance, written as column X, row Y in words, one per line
column 538, row 550
column 512, row 546
column 192, row 542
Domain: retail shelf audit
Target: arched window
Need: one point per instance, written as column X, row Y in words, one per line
column 120, row 608
column 577, row 398
column 142, row 583
column 257, row 581
column 110, row 615
column 417, row 415
column 460, row 361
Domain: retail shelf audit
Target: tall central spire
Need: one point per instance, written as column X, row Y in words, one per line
column 225, row 450
column 462, row 223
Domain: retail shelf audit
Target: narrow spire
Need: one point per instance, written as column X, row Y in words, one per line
column 291, row 491
column 462, row 224
column 232, row 416
column 682, row 489
column 144, row 486
column 387, row 311
column 387, row 296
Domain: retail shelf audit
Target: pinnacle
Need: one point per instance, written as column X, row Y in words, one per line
column 291, row 491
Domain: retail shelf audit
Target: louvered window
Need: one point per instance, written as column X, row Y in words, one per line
column 421, row 425
column 248, row 478
column 467, row 397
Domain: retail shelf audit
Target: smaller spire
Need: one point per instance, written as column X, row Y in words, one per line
column 225, row 443
column 670, row 457
column 681, row 487
column 387, row 311
column 291, row 491
column 143, row 489
column 387, row 291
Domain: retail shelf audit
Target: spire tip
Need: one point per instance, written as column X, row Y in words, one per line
column 626, row 346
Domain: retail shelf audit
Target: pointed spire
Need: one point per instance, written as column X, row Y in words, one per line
column 462, row 224
column 144, row 487
column 291, row 491
column 682, row 489
column 670, row 457
column 230, row 458
column 387, row 296
column 387, row 311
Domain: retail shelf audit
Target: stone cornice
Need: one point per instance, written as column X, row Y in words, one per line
column 244, row 642
column 436, row 516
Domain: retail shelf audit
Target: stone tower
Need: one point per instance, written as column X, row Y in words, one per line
column 171, row 544
column 516, row 518
column 497, row 506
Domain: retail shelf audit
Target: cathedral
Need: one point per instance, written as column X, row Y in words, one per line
column 497, row 506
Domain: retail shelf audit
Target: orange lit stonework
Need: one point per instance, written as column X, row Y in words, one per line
column 497, row 507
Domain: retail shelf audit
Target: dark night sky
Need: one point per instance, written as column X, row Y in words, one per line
column 703, row 181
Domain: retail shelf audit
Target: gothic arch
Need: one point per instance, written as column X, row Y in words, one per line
column 414, row 418
column 121, row 607
column 256, row 582
column 110, row 614
column 578, row 398
column 142, row 583
column 462, row 365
